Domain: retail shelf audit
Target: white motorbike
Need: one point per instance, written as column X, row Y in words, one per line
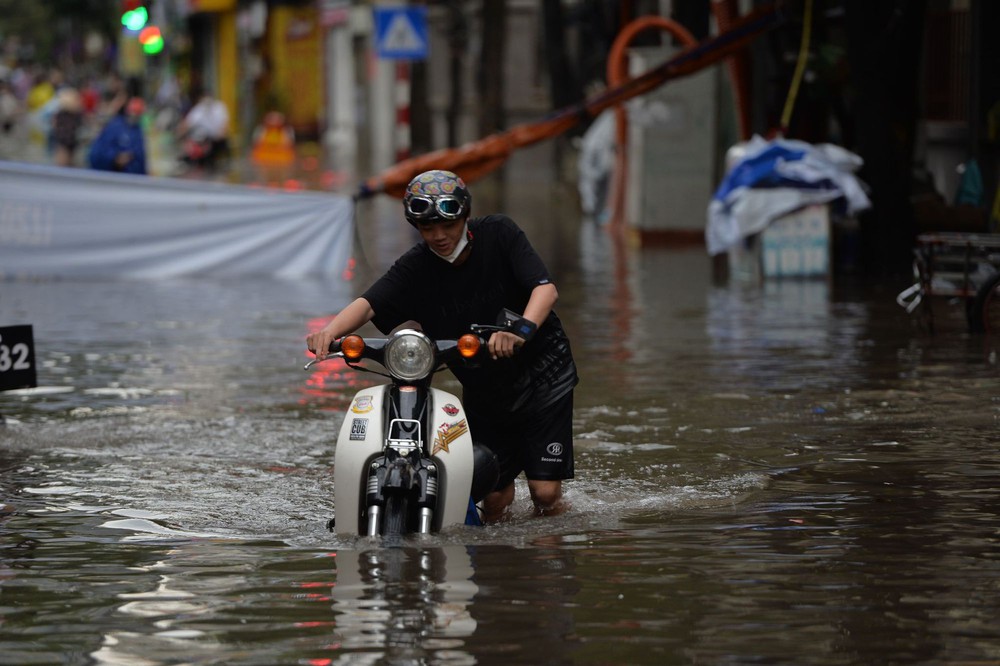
column 405, row 460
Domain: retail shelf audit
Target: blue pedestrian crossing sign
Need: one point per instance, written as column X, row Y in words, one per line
column 401, row 32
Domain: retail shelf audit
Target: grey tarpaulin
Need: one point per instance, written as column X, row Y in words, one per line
column 60, row 222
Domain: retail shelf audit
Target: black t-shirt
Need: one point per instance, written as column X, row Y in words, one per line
column 500, row 272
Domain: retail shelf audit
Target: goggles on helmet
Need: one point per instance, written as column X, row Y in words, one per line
column 446, row 207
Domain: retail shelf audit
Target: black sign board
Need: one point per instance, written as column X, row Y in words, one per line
column 17, row 358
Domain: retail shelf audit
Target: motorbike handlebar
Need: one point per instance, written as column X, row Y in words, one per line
column 482, row 331
column 333, row 351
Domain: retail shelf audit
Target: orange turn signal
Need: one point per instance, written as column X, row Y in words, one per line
column 352, row 346
column 468, row 345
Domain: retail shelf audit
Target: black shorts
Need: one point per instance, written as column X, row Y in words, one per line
column 539, row 444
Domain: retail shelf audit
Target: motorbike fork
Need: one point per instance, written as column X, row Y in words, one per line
column 408, row 474
column 403, row 467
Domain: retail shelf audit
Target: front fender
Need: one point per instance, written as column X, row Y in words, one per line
column 360, row 440
column 451, row 448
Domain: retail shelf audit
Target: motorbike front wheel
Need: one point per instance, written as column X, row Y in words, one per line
column 394, row 520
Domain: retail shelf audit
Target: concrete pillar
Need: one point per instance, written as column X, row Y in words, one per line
column 341, row 124
column 382, row 111
column 401, row 91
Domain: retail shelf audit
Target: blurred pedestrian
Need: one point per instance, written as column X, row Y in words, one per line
column 10, row 116
column 121, row 146
column 113, row 96
column 10, row 108
column 167, row 103
column 205, row 130
column 66, row 124
column 273, row 140
column 90, row 94
column 43, row 89
column 41, row 103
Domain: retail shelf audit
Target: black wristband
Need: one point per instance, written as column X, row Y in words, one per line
column 524, row 328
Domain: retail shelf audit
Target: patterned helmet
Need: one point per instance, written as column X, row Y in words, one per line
column 435, row 196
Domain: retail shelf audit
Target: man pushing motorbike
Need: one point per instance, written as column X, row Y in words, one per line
column 472, row 270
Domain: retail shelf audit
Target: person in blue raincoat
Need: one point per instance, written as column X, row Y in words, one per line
column 121, row 146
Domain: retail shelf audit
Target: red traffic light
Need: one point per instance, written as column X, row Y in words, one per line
column 151, row 40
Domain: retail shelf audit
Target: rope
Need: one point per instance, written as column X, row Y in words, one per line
column 800, row 67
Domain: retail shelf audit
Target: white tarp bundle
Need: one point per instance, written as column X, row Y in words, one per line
column 778, row 177
column 60, row 222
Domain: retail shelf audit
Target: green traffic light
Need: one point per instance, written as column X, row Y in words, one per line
column 134, row 20
column 153, row 47
column 151, row 40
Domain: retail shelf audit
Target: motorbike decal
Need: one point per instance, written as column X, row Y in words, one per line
column 362, row 404
column 450, row 409
column 359, row 428
column 448, row 433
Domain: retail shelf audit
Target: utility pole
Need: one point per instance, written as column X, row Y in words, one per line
column 493, row 25
column 421, row 139
column 458, row 42
column 564, row 84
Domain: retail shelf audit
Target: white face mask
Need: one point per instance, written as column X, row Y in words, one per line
column 458, row 247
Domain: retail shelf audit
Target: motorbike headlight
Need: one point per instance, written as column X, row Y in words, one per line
column 409, row 355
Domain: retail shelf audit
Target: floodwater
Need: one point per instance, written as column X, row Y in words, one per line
column 789, row 472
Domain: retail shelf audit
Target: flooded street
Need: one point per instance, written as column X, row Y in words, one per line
column 791, row 472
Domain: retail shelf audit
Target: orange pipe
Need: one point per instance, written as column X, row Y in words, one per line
column 618, row 74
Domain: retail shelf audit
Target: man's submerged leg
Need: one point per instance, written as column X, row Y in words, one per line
column 496, row 505
column 547, row 497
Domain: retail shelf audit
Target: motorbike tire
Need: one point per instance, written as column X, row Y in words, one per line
column 984, row 311
column 394, row 520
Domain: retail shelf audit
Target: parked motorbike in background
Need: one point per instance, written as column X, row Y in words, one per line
column 405, row 460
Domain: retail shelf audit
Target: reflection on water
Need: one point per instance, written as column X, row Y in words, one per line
column 404, row 604
column 780, row 473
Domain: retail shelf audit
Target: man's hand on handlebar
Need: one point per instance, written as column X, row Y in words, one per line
column 503, row 344
column 319, row 343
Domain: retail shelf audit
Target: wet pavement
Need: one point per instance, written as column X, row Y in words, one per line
column 782, row 472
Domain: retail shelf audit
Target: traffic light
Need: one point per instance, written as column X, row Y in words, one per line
column 151, row 40
column 136, row 21
column 134, row 15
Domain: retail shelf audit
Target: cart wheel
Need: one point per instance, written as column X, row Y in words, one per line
column 984, row 311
